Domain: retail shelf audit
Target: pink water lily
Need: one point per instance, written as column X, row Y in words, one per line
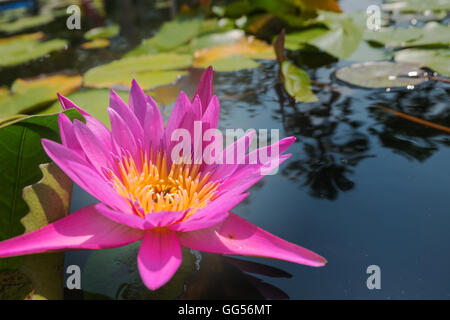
column 145, row 196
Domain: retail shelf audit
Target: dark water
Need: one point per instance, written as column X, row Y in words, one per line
column 363, row 186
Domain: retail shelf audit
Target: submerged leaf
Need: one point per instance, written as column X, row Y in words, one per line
column 380, row 74
column 297, row 83
column 14, row 285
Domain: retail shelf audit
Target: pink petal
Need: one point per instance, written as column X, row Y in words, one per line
column 159, row 258
column 128, row 219
column 67, row 133
column 181, row 107
column 122, row 134
column 100, row 131
column 138, row 102
column 237, row 236
column 84, row 175
column 229, row 166
column 96, row 152
column 204, row 89
column 213, row 213
column 210, row 118
column 116, row 103
column 154, row 125
column 83, row 229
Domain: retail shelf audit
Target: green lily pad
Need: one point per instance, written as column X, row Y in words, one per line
column 437, row 60
column 177, row 32
column 366, row 52
column 102, row 32
column 20, row 49
column 340, row 39
column 432, row 34
column 21, row 156
column 217, row 39
column 25, row 23
column 27, row 96
column 234, row 63
column 380, row 74
column 149, row 70
column 94, row 101
column 48, row 200
column 297, row 83
column 416, row 5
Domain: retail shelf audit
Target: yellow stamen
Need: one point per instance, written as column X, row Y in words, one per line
column 153, row 188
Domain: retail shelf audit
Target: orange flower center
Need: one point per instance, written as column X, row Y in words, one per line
column 155, row 188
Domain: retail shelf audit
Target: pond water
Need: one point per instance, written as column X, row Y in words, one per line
column 363, row 186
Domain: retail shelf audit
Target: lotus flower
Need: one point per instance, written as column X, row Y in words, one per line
column 145, row 196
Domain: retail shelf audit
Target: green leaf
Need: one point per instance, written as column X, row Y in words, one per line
column 234, row 63
column 93, row 101
column 416, row 5
column 437, row 60
column 21, row 156
column 380, row 74
column 366, row 52
column 343, row 36
column 25, row 23
column 102, row 32
column 432, row 34
column 27, row 96
column 340, row 39
column 297, row 83
column 48, row 200
column 177, row 32
column 20, row 49
column 216, row 39
column 149, row 70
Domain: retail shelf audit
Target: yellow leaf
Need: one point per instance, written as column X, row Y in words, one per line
column 248, row 46
column 95, row 44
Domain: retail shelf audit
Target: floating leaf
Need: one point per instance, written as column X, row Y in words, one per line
column 176, row 32
column 432, row 34
column 102, row 32
column 437, row 60
column 25, row 23
column 366, row 52
column 21, row 156
column 27, row 96
column 297, row 83
column 94, row 101
column 380, row 74
column 19, row 49
column 416, row 5
column 217, row 39
column 96, row 44
column 234, row 56
column 48, row 200
column 149, row 70
column 340, row 39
